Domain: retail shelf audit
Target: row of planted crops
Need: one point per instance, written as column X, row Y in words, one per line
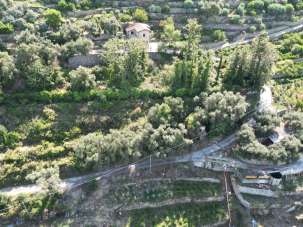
column 192, row 213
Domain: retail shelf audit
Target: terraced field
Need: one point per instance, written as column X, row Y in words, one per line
column 179, row 215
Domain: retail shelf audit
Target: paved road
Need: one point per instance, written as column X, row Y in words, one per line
column 209, row 150
column 298, row 26
column 77, row 181
column 209, row 153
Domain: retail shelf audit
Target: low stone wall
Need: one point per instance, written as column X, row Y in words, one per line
column 260, row 162
column 172, row 12
column 142, row 205
column 255, row 181
column 93, row 59
column 84, row 60
column 217, row 224
column 257, row 191
column 212, row 45
column 227, row 27
column 243, row 202
column 7, row 37
column 190, row 179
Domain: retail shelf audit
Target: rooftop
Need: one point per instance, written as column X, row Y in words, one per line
column 137, row 27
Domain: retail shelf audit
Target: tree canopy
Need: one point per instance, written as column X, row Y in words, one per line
column 251, row 67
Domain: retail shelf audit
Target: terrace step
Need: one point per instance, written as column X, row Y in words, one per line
column 142, row 205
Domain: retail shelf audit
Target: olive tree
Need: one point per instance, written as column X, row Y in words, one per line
column 126, row 61
column 140, row 15
column 82, row 79
column 7, row 68
column 165, row 139
column 266, row 122
column 80, row 46
column 53, row 18
column 224, row 110
column 251, row 67
column 170, row 34
column 48, row 179
column 36, row 63
column 171, row 111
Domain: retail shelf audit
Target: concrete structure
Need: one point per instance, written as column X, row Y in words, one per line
column 259, row 192
column 138, row 30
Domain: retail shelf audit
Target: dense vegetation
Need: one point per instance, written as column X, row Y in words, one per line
column 57, row 121
column 286, row 150
column 287, row 91
column 48, row 133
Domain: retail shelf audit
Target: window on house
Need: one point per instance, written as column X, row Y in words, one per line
column 131, row 32
column 143, row 35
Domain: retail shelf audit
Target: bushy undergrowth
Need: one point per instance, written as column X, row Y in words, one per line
column 32, row 207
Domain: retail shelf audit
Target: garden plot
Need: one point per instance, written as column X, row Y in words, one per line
column 179, row 215
column 156, row 191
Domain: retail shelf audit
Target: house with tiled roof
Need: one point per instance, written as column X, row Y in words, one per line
column 138, row 30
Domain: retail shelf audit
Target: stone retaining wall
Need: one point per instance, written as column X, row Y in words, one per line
column 243, row 202
column 7, row 37
column 142, row 205
column 189, row 179
column 260, row 162
column 89, row 60
column 257, row 191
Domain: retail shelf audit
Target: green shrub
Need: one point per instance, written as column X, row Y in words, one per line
column 276, row 9
column 140, row 15
column 267, row 3
column 289, row 9
column 82, row 79
column 235, row 19
column 225, row 12
column 240, row 9
column 53, row 18
column 124, row 17
column 188, row 4
column 8, row 139
column 154, row 9
column 297, row 49
column 218, row 35
column 252, row 29
column 6, row 28
column 261, row 26
column 165, row 9
column 299, row 6
column 85, row 4
column 256, row 5
column 66, row 6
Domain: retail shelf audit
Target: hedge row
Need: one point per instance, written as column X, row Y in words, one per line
column 57, row 96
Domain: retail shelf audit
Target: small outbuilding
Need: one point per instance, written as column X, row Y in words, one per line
column 138, row 30
column 278, row 135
